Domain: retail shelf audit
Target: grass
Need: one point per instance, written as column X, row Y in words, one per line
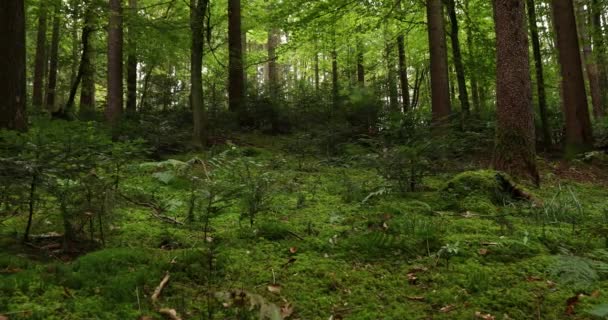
column 331, row 254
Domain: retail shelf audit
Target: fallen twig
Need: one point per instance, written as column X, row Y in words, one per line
column 169, row 313
column 161, row 286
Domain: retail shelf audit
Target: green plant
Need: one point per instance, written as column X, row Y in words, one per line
column 448, row 251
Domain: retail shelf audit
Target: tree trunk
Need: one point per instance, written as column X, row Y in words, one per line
column 463, row 95
column 334, row 78
column 472, row 62
column 599, row 48
column 360, row 66
column 113, row 110
column 405, row 87
column 40, row 60
column 515, row 141
column 579, row 135
column 393, row 93
column 87, row 93
column 273, row 72
column 132, row 60
column 236, row 86
column 317, row 73
column 590, row 66
column 197, row 16
column 540, row 78
column 12, row 66
column 440, row 94
column 52, row 83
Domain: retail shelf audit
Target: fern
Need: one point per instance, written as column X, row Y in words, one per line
column 575, row 272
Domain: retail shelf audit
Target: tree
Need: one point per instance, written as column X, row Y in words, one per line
column 236, row 85
column 52, row 82
column 515, row 138
column 440, row 94
column 540, row 77
column 12, row 65
column 87, row 63
column 197, row 16
column 579, row 135
column 132, row 60
column 588, row 57
column 463, row 95
column 113, row 109
column 599, row 45
column 273, row 71
column 40, row 59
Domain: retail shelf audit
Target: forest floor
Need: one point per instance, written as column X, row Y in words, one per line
column 332, row 244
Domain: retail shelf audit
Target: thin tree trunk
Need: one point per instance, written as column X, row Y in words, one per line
column 515, row 138
column 393, row 93
column 360, row 68
column 84, row 68
column 405, row 87
column 236, row 87
column 197, row 16
column 599, row 45
column 144, row 91
column 579, row 135
column 317, row 74
column 87, row 93
column 334, row 78
column 273, row 72
column 590, row 66
column 132, row 60
column 12, row 65
column 463, row 95
column 440, row 94
column 40, row 60
column 52, row 82
column 540, row 78
column 472, row 63
column 114, row 107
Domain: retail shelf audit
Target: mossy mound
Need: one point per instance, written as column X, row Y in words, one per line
column 480, row 191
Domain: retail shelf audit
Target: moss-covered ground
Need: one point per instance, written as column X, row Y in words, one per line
column 332, row 245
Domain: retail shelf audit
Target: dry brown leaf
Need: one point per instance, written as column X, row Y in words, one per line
column 484, row 316
column 3, row 317
column 286, row 310
column 595, row 294
column 572, row 302
column 483, row 251
column 274, row 288
column 411, row 278
column 551, row 284
column 533, row 279
column 293, row 250
column 448, row 308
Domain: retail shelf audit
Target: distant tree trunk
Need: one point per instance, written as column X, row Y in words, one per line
column 132, row 60
column 472, row 62
column 197, row 16
column 317, row 73
column 440, row 94
column 273, row 72
column 599, row 45
column 588, row 58
column 393, row 93
column 334, row 78
column 12, row 66
column 540, row 78
column 515, row 141
column 144, row 91
column 236, row 86
column 52, row 83
column 360, row 66
column 405, row 87
column 87, row 62
column 40, row 60
column 463, row 95
column 579, row 135
column 113, row 110
column 75, row 41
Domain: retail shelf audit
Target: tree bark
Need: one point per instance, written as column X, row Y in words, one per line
column 132, row 60
column 113, row 109
column 273, row 72
column 87, row 62
column 12, row 65
column 440, row 94
column 197, row 16
column 590, row 66
column 334, row 78
column 317, row 73
column 236, row 86
column 599, row 45
column 393, row 93
column 472, row 63
column 579, row 135
column 515, row 138
column 405, row 87
column 540, row 78
column 52, row 82
column 40, row 60
column 463, row 95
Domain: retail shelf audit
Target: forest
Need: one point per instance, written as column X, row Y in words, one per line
column 303, row 159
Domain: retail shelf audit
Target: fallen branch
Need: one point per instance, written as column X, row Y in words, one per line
column 161, row 286
column 169, row 313
column 156, row 210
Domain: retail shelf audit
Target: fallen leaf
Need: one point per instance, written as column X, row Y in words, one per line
column 418, row 269
column 286, row 310
column 415, row 298
column 447, row 308
column 10, row 270
column 595, row 293
column 551, row 284
column 293, row 250
column 533, row 279
column 483, row 251
column 484, row 316
column 411, row 278
column 3, row 317
column 169, row 313
column 274, row 288
column 572, row 302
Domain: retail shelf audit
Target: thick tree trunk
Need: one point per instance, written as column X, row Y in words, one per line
column 197, row 16
column 540, row 78
column 440, row 94
column 40, row 60
column 132, row 60
column 590, row 66
column 113, row 109
column 579, row 135
column 12, row 65
column 463, row 95
column 52, row 82
column 515, row 138
column 87, row 93
column 236, row 86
